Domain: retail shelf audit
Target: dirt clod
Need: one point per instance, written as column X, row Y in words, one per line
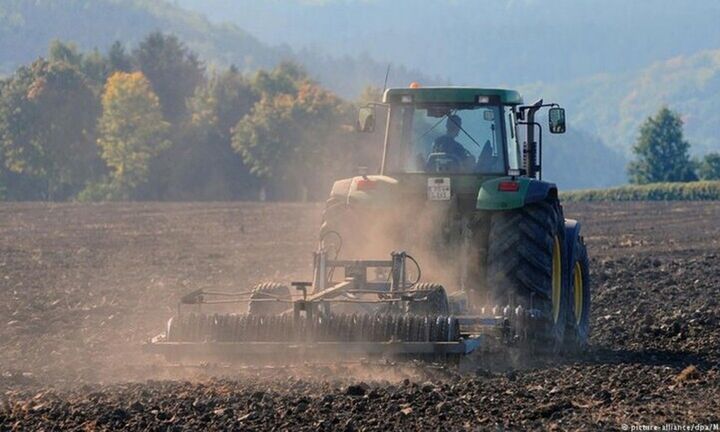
column 357, row 389
column 687, row 374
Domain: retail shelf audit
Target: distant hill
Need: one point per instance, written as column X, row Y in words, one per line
column 579, row 160
column 611, row 63
column 612, row 106
column 27, row 27
column 488, row 42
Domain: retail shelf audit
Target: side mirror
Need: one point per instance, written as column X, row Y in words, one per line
column 366, row 120
column 556, row 118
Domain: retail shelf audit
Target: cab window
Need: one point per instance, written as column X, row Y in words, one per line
column 446, row 138
column 513, row 149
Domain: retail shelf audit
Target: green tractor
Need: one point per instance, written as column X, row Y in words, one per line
column 459, row 191
column 458, row 188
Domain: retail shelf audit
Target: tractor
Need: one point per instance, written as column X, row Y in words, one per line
column 482, row 254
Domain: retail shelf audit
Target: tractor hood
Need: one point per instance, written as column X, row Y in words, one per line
column 385, row 191
column 366, row 190
column 481, row 193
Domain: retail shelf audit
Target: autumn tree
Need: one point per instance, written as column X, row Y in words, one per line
column 662, row 153
column 96, row 125
column 47, row 125
column 173, row 71
column 131, row 133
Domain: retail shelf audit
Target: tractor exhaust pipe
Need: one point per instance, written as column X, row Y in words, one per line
column 530, row 149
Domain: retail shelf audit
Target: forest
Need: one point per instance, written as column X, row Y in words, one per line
column 152, row 123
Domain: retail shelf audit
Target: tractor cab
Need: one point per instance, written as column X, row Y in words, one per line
column 458, row 131
column 433, row 132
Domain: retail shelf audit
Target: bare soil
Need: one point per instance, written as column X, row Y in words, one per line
column 83, row 286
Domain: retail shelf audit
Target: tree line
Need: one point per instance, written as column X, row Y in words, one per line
column 663, row 154
column 152, row 123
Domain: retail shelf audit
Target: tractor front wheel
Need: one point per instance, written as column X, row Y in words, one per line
column 579, row 319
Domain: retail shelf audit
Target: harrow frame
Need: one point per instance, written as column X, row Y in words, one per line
column 473, row 332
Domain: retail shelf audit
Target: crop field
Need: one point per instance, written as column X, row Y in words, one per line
column 83, row 286
column 676, row 191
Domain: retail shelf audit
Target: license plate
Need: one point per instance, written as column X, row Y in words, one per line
column 439, row 189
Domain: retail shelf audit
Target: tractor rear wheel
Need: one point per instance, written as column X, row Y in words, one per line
column 579, row 320
column 525, row 267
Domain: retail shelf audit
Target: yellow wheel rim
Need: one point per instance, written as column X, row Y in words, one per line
column 578, row 292
column 556, row 279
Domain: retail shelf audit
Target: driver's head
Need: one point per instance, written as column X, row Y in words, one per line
column 453, row 125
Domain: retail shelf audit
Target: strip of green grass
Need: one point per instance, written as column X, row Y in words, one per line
column 692, row 191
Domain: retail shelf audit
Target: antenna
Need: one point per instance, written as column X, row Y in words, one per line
column 387, row 74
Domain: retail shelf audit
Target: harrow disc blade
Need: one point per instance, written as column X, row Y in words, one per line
column 328, row 328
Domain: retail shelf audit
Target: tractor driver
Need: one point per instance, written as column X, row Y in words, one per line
column 448, row 145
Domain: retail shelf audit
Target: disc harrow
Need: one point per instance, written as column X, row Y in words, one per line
column 331, row 328
column 357, row 316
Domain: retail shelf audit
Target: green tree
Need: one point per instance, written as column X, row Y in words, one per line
column 202, row 165
column 662, row 152
column 131, row 133
column 287, row 140
column 118, row 59
column 709, row 168
column 96, row 68
column 47, row 125
column 286, row 78
column 173, row 71
column 61, row 52
column 223, row 101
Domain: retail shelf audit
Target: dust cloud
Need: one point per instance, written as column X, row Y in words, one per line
column 443, row 245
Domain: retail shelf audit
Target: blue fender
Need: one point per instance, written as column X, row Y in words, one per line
column 540, row 190
column 572, row 233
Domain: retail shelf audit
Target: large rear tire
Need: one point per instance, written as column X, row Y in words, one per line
column 525, row 267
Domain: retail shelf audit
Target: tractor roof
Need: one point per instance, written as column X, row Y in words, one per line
column 452, row 95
